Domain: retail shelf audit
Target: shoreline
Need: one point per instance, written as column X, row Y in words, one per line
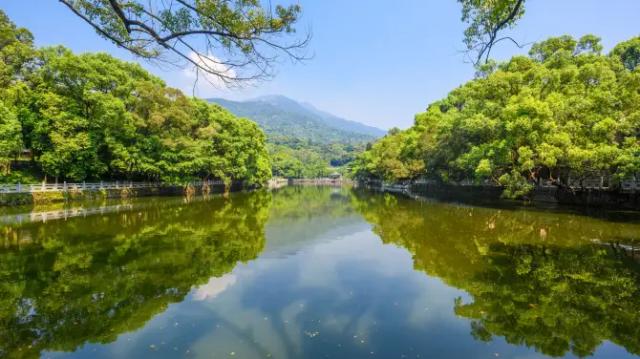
column 38, row 194
column 76, row 192
column 582, row 199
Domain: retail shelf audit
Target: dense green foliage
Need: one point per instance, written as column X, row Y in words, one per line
column 295, row 158
column 300, row 162
column 88, row 280
column 557, row 282
column 92, row 116
column 566, row 111
column 303, row 141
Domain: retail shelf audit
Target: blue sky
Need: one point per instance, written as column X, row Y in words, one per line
column 378, row 62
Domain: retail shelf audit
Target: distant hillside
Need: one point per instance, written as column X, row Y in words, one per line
column 284, row 118
column 302, row 140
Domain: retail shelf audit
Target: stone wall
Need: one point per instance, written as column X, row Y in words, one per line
column 610, row 199
column 16, row 199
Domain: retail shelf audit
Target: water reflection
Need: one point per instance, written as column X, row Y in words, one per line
column 557, row 282
column 316, row 273
column 64, row 283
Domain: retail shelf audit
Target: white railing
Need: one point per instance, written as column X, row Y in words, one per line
column 93, row 186
column 589, row 183
column 61, row 214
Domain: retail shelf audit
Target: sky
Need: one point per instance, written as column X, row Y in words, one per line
column 373, row 61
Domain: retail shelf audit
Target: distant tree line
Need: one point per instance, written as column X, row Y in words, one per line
column 300, row 158
column 565, row 110
column 91, row 116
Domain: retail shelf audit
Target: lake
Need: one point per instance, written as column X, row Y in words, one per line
column 316, row 272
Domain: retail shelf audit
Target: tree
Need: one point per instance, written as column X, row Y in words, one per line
column 16, row 52
column 10, row 138
column 232, row 41
column 486, row 18
column 92, row 116
column 391, row 158
column 565, row 112
column 629, row 53
column 16, row 49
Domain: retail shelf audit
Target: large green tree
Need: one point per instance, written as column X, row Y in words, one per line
column 16, row 54
column 92, row 116
column 563, row 114
column 10, row 138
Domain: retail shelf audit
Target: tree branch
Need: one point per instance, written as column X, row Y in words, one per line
column 236, row 34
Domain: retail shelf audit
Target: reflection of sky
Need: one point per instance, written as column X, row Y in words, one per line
column 339, row 293
column 214, row 287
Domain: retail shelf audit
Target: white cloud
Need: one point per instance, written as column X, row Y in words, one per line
column 205, row 83
column 214, row 287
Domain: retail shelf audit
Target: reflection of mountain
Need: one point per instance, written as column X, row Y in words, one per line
column 536, row 279
column 303, row 215
column 65, row 283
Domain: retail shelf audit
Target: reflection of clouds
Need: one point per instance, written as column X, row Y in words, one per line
column 433, row 304
column 359, row 250
column 215, row 286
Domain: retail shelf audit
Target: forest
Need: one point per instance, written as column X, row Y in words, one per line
column 91, row 116
column 302, row 140
column 565, row 111
column 296, row 158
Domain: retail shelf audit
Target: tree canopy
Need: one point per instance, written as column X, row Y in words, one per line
column 230, row 40
column 92, row 116
column 565, row 111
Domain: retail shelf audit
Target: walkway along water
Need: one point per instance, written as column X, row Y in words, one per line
column 19, row 194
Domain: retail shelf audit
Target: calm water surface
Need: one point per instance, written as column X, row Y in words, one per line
column 316, row 273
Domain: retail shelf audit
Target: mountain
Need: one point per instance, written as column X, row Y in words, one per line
column 281, row 117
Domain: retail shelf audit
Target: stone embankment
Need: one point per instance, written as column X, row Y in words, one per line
column 586, row 193
column 21, row 194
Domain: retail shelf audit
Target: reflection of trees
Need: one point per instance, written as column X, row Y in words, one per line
column 537, row 279
column 310, row 201
column 91, row 279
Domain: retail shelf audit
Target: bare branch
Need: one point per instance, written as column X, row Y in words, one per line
column 485, row 27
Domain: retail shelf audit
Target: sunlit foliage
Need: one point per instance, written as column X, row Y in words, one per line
column 92, row 116
column 566, row 111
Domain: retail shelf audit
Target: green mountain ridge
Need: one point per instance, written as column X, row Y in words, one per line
column 281, row 117
column 302, row 140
